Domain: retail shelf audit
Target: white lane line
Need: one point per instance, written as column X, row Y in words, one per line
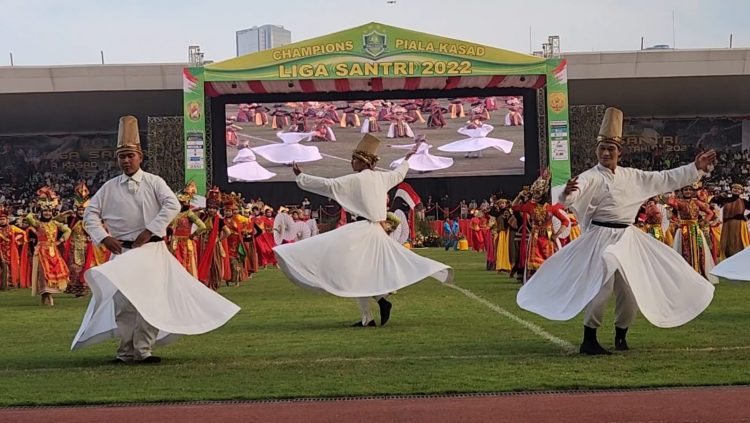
column 322, row 154
column 535, row 329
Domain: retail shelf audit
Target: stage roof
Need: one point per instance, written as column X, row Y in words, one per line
column 375, row 57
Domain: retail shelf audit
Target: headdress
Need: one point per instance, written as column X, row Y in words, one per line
column 366, row 149
column 213, row 198
column 47, row 199
column 738, row 186
column 283, row 209
column 231, row 201
column 611, row 129
column 128, row 139
column 540, row 187
column 81, row 195
column 697, row 185
column 187, row 193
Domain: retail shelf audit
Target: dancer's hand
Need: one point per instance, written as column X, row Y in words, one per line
column 112, row 245
column 142, row 238
column 571, row 186
column 296, row 169
column 705, row 159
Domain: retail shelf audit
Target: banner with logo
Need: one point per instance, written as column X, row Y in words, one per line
column 375, row 50
column 558, row 123
column 195, row 127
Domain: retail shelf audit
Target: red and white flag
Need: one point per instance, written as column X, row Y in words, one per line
column 407, row 193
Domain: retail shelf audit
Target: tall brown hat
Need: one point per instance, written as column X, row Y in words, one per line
column 367, row 149
column 127, row 135
column 611, row 129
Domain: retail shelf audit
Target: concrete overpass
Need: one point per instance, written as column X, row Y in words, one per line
column 660, row 83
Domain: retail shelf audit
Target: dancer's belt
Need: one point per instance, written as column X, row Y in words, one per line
column 612, row 225
column 129, row 244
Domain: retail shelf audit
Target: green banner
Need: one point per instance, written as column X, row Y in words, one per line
column 375, row 50
column 558, row 124
column 195, row 127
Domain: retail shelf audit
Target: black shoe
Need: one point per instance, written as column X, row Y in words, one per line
column 359, row 324
column 152, row 359
column 385, row 310
column 593, row 348
column 620, row 343
column 590, row 345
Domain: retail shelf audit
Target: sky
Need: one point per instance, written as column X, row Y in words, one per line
column 53, row 32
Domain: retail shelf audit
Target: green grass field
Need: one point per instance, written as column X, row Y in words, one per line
column 290, row 343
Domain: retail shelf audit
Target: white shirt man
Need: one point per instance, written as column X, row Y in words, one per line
column 613, row 256
column 141, row 296
column 137, row 207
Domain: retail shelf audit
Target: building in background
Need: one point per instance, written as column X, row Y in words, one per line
column 260, row 38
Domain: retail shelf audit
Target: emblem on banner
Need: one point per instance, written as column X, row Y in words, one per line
column 557, row 102
column 374, row 43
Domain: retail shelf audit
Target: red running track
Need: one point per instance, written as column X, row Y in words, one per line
column 716, row 405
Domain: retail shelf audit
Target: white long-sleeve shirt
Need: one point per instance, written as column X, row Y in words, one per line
column 126, row 214
column 615, row 197
column 362, row 194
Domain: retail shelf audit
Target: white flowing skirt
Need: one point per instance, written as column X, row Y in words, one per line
column 162, row 291
column 668, row 291
column 425, row 162
column 248, row 172
column 477, row 144
column 288, row 153
column 356, row 260
column 735, row 268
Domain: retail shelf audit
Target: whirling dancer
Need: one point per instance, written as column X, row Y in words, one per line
column 515, row 112
column 372, row 264
column 612, row 255
column 142, row 295
column 477, row 141
column 399, row 127
column 280, row 119
column 734, row 268
column 456, row 108
column 349, row 116
column 260, row 112
column 299, row 121
column 436, row 118
column 370, row 121
column 322, row 130
column 422, row 160
column 290, row 150
column 231, row 131
column 247, row 169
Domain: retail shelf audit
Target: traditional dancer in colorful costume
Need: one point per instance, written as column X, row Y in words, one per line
column 49, row 273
